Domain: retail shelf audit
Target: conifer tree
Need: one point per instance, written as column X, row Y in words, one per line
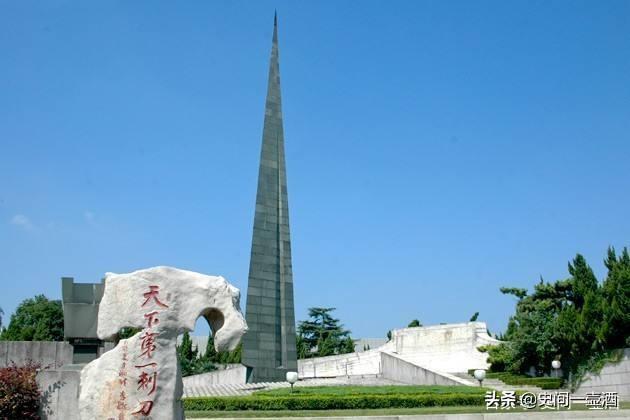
column 321, row 335
column 414, row 323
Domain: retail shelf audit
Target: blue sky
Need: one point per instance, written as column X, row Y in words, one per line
column 436, row 150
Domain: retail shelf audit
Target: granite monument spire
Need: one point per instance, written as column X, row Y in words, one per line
column 269, row 345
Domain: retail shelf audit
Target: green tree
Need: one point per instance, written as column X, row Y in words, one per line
column 576, row 320
column 414, row 323
column 186, row 355
column 302, row 347
column 321, row 335
column 615, row 329
column 348, row 345
column 1, row 314
column 583, row 280
column 474, row 317
column 128, row 332
column 499, row 356
column 36, row 319
column 186, row 350
column 227, row 357
column 326, row 347
column 202, row 365
column 191, row 362
column 515, row 291
column 211, row 352
column 236, row 354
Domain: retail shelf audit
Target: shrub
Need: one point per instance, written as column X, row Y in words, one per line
column 19, row 393
column 512, row 379
column 499, row 356
column 329, row 402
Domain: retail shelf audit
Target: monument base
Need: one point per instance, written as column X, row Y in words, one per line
column 60, row 392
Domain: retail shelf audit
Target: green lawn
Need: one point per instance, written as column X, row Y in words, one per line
column 373, row 412
column 373, row 390
column 331, row 413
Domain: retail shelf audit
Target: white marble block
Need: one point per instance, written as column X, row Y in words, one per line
column 140, row 377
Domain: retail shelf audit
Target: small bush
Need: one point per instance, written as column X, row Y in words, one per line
column 19, row 393
column 329, row 402
column 512, row 379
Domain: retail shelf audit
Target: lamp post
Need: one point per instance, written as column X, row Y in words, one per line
column 480, row 375
column 556, row 365
column 292, row 378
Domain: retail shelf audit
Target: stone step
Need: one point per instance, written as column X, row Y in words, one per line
column 247, row 389
column 499, row 385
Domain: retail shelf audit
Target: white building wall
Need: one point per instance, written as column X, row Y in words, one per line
column 351, row 364
column 448, row 348
column 445, row 348
column 50, row 354
column 232, row 375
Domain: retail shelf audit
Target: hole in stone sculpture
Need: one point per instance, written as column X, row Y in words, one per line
column 195, row 350
column 127, row 332
column 215, row 319
column 198, row 337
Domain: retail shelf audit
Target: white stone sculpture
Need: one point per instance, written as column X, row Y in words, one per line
column 140, row 377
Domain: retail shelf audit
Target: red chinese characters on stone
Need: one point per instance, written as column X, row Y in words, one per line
column 152, row 318
column 147, row 344
column 145, row 408
column 152, row 294
column 148, row 373
column 147, row 380
column 121, row 404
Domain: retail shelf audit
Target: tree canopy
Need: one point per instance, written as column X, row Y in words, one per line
column 572, row 320
column 414, row 323
column 36, row 319
column 193, row 363
column 322, row 335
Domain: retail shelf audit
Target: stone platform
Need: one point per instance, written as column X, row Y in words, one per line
column 234, row 390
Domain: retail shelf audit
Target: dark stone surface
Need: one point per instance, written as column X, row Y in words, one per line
column 80, row 317
column 269, row 345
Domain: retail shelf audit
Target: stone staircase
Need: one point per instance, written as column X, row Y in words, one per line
column 230, row 390
column 499, row 385
column 233, row 390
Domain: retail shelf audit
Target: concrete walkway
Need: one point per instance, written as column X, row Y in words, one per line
column 537, row 415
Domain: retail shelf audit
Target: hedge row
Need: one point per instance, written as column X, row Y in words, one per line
column 329, row 402
column 544, row 383
column 513, row 379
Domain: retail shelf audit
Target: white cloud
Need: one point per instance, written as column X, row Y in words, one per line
column 22, row 221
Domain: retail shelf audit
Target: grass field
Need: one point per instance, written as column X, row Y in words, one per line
column 382, row 391
column 337, row 413
column 332, row 413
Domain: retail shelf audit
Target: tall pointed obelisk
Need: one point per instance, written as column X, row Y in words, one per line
column 269, row 345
